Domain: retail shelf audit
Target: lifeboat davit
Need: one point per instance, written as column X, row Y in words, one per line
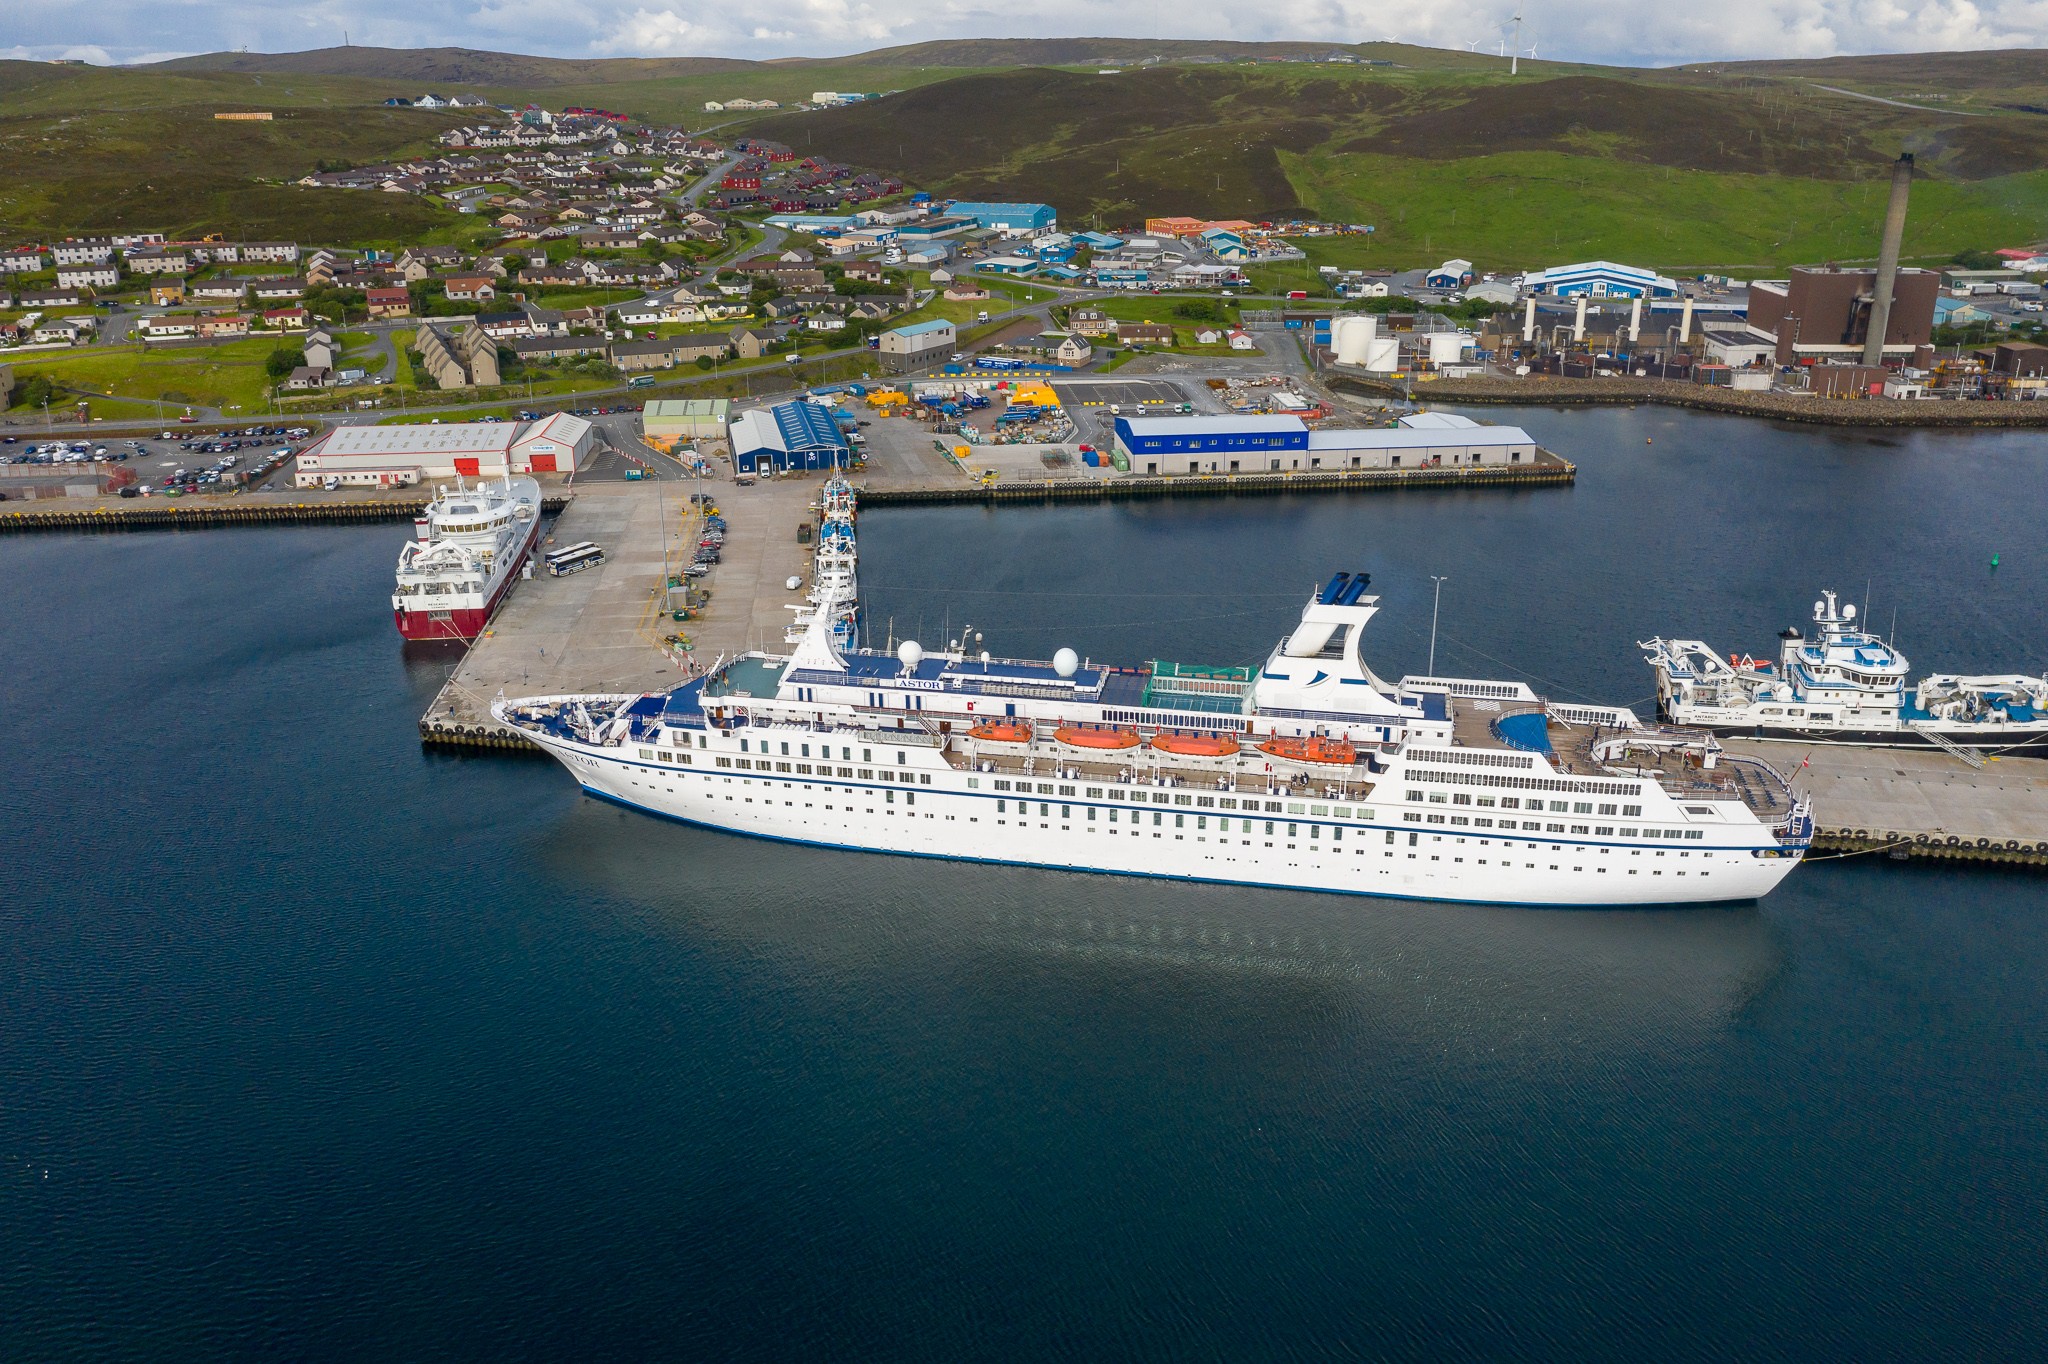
column 1096, row 736
column 1195, row 745
column 1312, row 750
column 1002, row 731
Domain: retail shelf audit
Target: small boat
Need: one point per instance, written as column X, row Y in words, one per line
column 1096, row 736
column 1314, row 749
column 1002, row 731
column 1195, row 745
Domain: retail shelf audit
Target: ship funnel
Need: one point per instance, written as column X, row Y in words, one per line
column 1334, row 589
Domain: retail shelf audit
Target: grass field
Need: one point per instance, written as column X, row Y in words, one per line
column 1522, row 209
column 229, row 375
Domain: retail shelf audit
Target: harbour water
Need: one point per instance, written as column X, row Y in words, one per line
column 316, row 1045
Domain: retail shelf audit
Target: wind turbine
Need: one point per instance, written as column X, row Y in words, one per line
column 1515, row 62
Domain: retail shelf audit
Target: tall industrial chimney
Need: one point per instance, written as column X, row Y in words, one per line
column 1888, row 260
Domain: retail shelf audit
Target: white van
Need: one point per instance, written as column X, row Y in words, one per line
column 331, row 482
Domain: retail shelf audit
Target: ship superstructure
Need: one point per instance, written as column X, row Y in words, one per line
column 1843, row 684
column 1309, row 773
column 467, row 549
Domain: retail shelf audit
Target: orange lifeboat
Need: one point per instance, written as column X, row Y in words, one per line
column 1096, row 736
column 1312, row 750
column 1195, row 745
column 1002, row 731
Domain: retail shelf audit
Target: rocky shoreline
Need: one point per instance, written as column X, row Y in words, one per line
column 1550, row 391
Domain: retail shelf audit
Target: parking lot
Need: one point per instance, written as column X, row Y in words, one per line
column 207, row 462
column 1129, row 394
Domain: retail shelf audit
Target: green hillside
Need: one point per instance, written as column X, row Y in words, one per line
column 1748, row 166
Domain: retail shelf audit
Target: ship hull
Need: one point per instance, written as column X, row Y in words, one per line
column 2031, row 739
column 466, row 623
column 1366, row 860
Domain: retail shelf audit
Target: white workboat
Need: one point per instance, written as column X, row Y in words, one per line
column 1844, row 685
column 1310, row 773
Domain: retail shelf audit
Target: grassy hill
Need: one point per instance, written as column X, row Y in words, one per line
column 1748, row 166
column 1687, row 169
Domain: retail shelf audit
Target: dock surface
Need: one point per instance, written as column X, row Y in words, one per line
column 1918, row 802
column 605, row 629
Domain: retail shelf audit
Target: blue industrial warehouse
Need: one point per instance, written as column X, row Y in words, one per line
column 1599, row 279
column 1247, row 444
column 1007, row 217
column 788, row 436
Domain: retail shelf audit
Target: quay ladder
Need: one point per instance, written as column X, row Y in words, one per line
column 1942, row 741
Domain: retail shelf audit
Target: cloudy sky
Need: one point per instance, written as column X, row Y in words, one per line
column 1624, row 31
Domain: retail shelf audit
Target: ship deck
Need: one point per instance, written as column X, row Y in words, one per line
column 1751, row 780
column 1144, row 769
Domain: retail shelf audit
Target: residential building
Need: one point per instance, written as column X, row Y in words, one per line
column 917, row 343
column 469, row 360
column 87, row 276
column 1144, row 333
column 1090, row 322
column 83, row 251
column 22, row 260
column 388, row 302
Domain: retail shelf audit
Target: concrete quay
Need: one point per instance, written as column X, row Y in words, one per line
column 1917, row 802
column 606, row 629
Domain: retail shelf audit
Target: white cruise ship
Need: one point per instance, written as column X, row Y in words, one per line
column 1310, row 773
column 1844, row 686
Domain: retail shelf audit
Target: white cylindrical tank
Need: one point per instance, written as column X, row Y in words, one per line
column 1447, row 348
column 1383, row 354
column 1349, row 336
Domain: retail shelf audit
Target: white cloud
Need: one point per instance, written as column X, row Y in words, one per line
column 1613, row 31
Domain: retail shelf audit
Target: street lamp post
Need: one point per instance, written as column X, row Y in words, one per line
column 1435, row 607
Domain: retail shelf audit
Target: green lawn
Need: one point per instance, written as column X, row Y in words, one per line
column 1524, row 209
column 226, row 375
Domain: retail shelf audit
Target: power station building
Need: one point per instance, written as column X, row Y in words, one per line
column 1264, row 444
column 1822, row 313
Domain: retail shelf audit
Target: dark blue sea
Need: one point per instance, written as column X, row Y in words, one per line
column 314, row 1045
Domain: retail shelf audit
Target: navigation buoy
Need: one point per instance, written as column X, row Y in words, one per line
column 1649, row 440
column 1994, row 561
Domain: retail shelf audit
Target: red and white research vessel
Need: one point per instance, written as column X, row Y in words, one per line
column 467, row 551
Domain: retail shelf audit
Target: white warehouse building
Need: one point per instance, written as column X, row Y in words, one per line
column 399, row 456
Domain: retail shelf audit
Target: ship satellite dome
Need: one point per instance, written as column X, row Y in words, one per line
column 1848, row 613
column 1066, row 662
column 984, row 658
column 910, row 653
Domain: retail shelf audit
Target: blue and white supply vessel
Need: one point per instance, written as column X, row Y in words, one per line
column 1844, row 685
column 835, row 571
column 1309, row 773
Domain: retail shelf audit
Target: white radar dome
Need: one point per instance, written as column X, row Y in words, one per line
column 910, row 653
column 1066, row 662
column 1848, row 613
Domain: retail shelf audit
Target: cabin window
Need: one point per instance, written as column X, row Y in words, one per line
column 1632, row 811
